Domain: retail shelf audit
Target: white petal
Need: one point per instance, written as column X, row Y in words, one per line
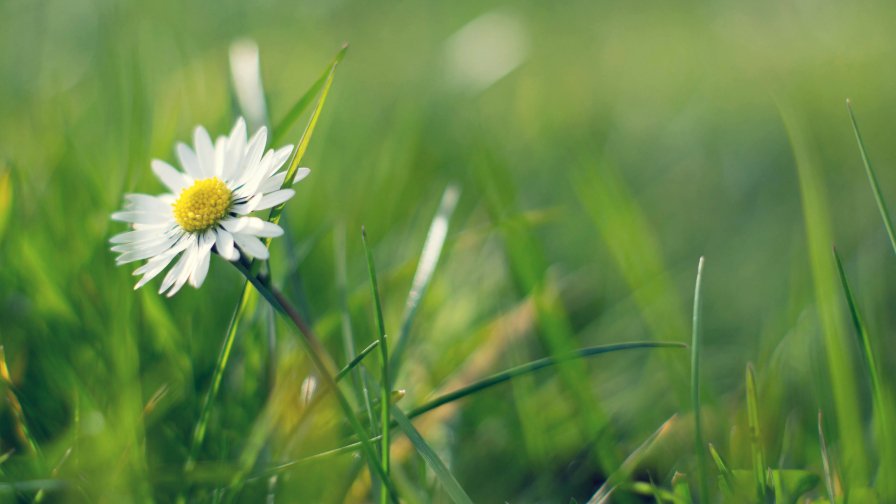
column 248, row 206
column 273, row 183
column 220, row 153
column 175, row 271
column 265, row 230
column 224, row 244
column 253, row 154
column 205, row 151
column 233, row 225
column 141, row 217
column 252, row 246
column 236, row 147
column 174, row 180
column 145, row 203
column 275, row 198
column 188, row 161
column 152, row 269
column 138, row 235
column 201, row 270
column 301, row 173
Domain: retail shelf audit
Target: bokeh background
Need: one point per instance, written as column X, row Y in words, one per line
column 600, row 148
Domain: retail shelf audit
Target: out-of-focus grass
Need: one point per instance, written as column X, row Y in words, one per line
column 631, row 139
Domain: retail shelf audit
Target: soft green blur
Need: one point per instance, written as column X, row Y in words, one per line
column 632, row 138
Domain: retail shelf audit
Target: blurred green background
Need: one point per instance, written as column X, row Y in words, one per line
column 600, row 147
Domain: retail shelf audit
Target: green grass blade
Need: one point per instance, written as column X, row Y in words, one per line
column 426, row 266
column 629, row 465
column 480, row 386
column 245, row 73
column 357, row 360
column 530, row 367
column 386, row 385
column 759, row 466
column 448, row 481
column 829, row 477
column 302, row 103
column 699, row 445
column 879, row 402
column 726, row 478
column 842, row 382
column 872, row 178
column 302, row 146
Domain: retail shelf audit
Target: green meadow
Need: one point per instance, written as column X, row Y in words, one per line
column 584, row 223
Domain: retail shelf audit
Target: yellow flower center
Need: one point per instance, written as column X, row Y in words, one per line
column 202, row 205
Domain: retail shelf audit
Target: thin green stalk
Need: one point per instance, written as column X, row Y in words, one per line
column 872, row 178
column 324, row 365
column 759, row 467
column 386, row 386
column 699, row 446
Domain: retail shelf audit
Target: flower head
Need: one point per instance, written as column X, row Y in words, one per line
column 208, row 209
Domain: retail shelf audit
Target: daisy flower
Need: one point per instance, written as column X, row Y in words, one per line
column 208, row 209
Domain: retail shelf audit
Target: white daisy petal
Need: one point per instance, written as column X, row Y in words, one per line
column 201, row 270
column 261, row 228
column 224, row 244
column 205, row 151
column 220, row 156
column 188, row 161
column 273, row 183
column 145, row 202
column 152, row 269
column 249, row 206
column 236, row 146
column 140, row 217
column 173, row 179
column 301, row 173
column 252, row 246
column 273, row 199
column 253, row 154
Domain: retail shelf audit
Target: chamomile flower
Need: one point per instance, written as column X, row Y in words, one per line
column 208, row 208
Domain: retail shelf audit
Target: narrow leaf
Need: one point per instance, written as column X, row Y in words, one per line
column 872, row 178
column 699, row 445
column 447, row 480
column 755, row 435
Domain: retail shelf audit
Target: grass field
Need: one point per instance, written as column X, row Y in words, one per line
column 570, row 163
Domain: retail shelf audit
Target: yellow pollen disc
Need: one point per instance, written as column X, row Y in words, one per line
column 202, row 205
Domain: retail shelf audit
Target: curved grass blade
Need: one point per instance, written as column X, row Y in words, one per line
column 756, row 436
column 357, row 360
column 479, row 386
column 699, row 446
column 426, row 266
column 245, row 72
column 386, row 385
column 872, row 178
column 448, row 481
column 302, row 103
column 629, row 465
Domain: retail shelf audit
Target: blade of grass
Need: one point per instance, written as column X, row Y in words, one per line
column 478, row 386
column 201, row 426
column 629, row 465
column 755, row 435
column 322, row 361
column 879, row 403
column 302, row 103
column 726, row 478
column 245, row 73
column 826, row 460
column 386, row 385
column 842, row 381
column 21, row 425
column 699, row 446
column 872, row 178
column 432, row 249
column 357, row 360
column 448, row 481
